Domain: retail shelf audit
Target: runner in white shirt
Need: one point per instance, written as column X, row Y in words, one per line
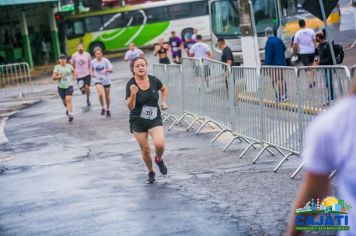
column 100, row 69
column 304, row 41
column 133, row 52
column 331, row 144
column 200, row 50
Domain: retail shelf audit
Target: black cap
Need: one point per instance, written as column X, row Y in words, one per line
column 221, row 40
column 62, row 56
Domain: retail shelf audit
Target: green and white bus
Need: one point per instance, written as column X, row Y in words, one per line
column 115, row 29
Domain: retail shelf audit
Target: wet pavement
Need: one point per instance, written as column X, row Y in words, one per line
column 87, row 178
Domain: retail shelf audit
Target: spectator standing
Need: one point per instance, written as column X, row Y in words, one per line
column 133, row 52
column 161, row 50
column 195, row 33
column 325, row 59
column 226, row 56
column 304, row 41
column 188, row 43
column 275, row 56
column 176, row 45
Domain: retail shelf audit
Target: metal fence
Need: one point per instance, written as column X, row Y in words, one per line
column 267, row 108
column 15, row 77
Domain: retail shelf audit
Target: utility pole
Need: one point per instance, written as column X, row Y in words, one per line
column 248, row 34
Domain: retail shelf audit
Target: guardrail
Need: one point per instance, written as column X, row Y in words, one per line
column 15, row 77
column 267, row 108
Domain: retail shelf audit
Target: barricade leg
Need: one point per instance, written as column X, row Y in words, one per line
column 248, row 148
column 285, row 158
column 297, row 170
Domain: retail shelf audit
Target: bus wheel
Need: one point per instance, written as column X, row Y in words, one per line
column 96, row 45
column 186, row 31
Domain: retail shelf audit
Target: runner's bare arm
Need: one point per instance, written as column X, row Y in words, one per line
column 313, row 186
column 56, row 76
column 164, row 92
column 131, row 101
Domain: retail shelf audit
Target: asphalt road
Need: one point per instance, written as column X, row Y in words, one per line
column 87, row 178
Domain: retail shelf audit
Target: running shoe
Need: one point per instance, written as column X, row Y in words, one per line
column 151, row 177
column 102, row 112
column 162, row 167
column 67, row 113
column 70, row 118
column 108, row 113
column 88, row 103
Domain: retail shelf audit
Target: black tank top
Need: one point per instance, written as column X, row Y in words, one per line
column 162, row 50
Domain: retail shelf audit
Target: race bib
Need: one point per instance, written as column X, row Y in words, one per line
column 65, row 79
column 149, row 113
column 174, row 49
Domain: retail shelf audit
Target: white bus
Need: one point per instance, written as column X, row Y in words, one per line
column 114, row 29
column 278, row 14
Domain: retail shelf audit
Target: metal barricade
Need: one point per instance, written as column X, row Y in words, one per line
column 353, row 74
column 15, row 77
column 245, row 106
column 160, row 72
column 175, row 92
column 193, row 91
column 216, row 103
column 320, row 87
column 280, row 113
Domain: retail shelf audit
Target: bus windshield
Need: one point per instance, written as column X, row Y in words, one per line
column 226, row 22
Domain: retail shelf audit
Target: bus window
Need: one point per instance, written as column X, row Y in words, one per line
column 199, row 8
column 265, row 14
column 134, row 18
column 157, row 14
column 179, row 11
column 225, row 19
column 75, row 28
column 93, row 24
column 113, row 21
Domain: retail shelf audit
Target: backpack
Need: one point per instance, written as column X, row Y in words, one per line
column 339, row 53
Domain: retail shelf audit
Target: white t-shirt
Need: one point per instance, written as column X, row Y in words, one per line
column 200, row 50
column 98, row 67
column 130, row 55
column 331, row 144
column 305, row 40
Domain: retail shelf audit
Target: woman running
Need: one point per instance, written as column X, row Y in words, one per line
column 161, row 50
column 101, row 67
column 145, row 115
column 64, row 74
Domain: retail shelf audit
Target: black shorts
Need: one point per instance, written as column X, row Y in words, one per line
column 307, row 59
column 65, row 92
column 143, row 127
column 86, row 79
column 164, row 61
column 105, row 86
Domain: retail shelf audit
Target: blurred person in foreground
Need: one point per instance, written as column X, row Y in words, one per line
column 274, row 56
column 330, row 144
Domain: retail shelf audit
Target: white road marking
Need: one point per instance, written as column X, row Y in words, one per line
column 3, row 138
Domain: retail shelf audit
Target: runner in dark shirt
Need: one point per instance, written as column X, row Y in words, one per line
column 145, row 114
column 226, row 56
